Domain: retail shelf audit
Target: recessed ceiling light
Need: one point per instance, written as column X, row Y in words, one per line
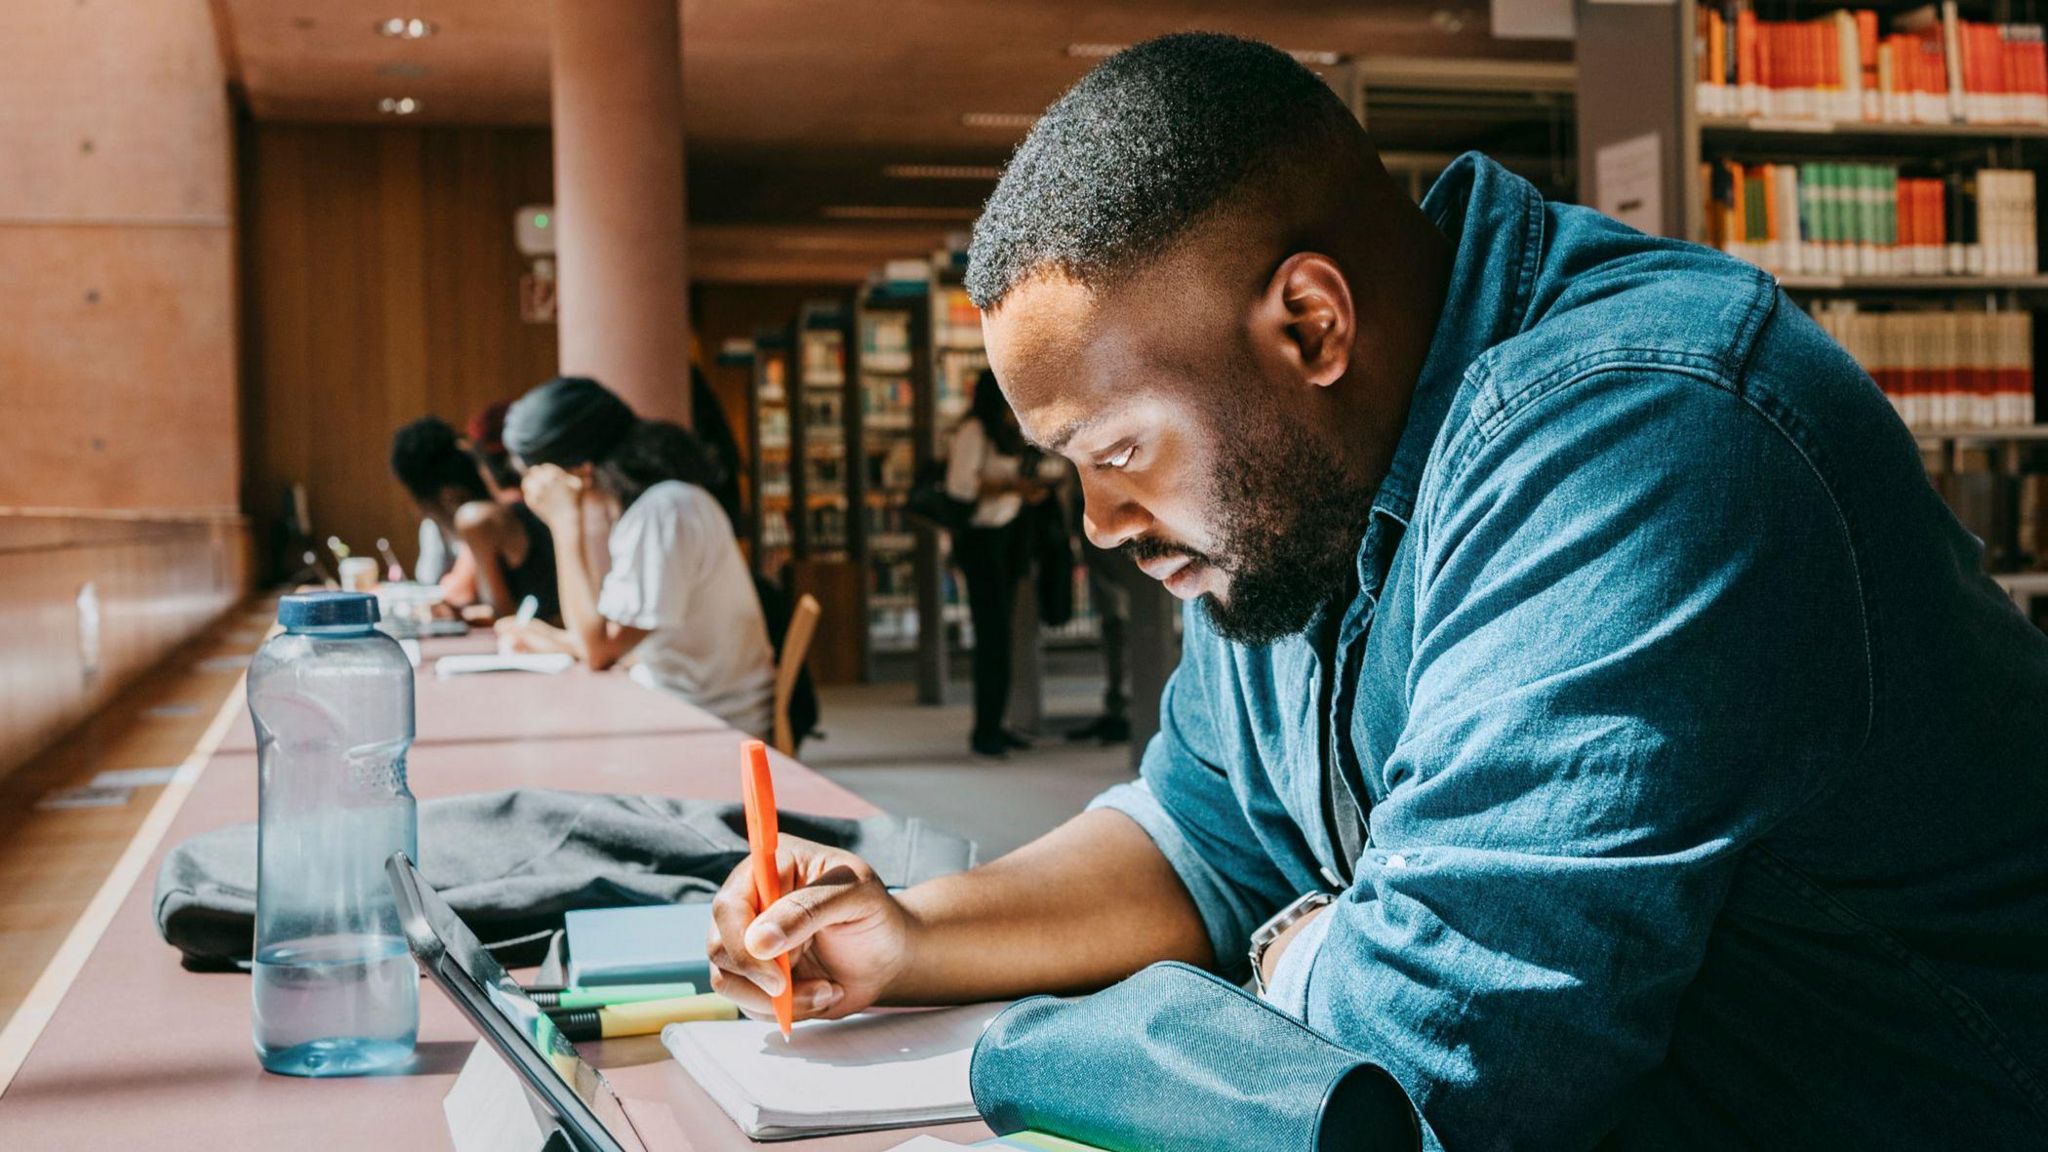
column 999, row 119
column 1314, row 57
column 895, row 212
column 398, row 105
column 941, row 171
column 405, row 28
column 1447, row 21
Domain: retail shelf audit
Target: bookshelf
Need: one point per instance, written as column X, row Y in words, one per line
column 823, row 367
column 824, row 527
column 1647, row 79
column 771, row 525
column 954, row 356
column 892, row 322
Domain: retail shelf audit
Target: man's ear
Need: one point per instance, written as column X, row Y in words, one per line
column 1306, row 316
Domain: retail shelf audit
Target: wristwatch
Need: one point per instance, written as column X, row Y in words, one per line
column 1270, row 931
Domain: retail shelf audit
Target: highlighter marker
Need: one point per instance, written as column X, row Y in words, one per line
column 757, row 794
column 606, row 997
column 642, row 1019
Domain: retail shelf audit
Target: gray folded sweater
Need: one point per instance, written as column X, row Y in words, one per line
column 511, row 863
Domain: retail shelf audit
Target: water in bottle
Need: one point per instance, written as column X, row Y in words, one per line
column 336, row 992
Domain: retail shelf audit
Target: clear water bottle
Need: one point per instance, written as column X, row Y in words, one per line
column 336, row 992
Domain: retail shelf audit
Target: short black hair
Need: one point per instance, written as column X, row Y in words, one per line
column 427, row 458
column 1139, row 150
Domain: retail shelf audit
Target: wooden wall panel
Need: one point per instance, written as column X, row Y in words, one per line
column 157, row 581
column 381, row 284
column 114, row 110
column 118, row 362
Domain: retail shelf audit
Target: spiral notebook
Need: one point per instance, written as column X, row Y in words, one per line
column 876, row 1070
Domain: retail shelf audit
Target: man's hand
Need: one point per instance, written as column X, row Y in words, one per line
column 846, row 936
column 1270, row 962
column 556, row 497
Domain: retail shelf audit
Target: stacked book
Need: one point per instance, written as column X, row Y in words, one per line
column 1829, row 219
column 1929, row 67
column 1942, row 368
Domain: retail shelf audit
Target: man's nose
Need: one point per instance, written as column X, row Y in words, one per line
column 1111, row 521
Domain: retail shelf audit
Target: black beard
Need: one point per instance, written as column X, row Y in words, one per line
column 1292, row 522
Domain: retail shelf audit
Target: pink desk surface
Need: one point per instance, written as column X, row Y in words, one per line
column 143, row 1054
column 505, row 707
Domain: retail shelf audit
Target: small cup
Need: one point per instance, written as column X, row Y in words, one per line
column 359, row 574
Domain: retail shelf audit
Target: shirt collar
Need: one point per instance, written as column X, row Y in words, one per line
column 1496, row 220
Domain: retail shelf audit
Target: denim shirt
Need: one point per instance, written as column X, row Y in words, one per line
column 1706, row 774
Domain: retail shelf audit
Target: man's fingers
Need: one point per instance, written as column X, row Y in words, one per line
column 813, row 997
column 743, row 992
column 835, row 898
column 732, row 910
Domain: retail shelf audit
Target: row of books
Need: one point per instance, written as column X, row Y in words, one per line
column 1871, row 219
column 1930, row 67
column 1942, row 368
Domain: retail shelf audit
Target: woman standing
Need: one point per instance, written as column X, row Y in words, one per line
column 985, row 466
column 678, row 598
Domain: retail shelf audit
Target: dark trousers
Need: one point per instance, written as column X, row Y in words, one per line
column 989, row 561
column 1110, row 576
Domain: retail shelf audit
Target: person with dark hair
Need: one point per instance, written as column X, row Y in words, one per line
column 1588, row 711
column 487, row 440
column 677, row 602
column 508, row 551
column 985, row 467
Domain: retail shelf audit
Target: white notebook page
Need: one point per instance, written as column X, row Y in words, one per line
column 878, row 1070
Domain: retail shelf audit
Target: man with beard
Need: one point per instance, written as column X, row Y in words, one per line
column 1588, row 713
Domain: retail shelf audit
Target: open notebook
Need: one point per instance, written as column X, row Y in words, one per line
column 878, row 1070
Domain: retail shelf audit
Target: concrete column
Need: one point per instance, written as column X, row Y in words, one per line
column 623, row 302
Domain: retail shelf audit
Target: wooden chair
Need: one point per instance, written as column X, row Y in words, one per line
column 796, row 642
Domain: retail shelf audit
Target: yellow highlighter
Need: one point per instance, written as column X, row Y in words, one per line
column 640, row 1019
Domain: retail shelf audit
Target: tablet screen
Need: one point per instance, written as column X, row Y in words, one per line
column 517, row 1009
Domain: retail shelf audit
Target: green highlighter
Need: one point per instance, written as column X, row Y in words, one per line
column 607, row 997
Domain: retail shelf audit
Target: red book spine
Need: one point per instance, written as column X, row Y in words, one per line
column 1747, row 64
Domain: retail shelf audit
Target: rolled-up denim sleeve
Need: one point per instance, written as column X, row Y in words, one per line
column 1200, row 809
column 1629, row 663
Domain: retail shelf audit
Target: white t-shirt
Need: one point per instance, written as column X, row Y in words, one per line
column 677, row 572
column 971, row 460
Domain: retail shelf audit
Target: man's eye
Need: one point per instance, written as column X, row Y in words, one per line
column 1122, row 458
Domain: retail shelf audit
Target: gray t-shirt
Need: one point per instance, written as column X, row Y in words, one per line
column 677, row 572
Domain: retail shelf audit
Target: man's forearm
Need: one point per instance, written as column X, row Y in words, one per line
column 1079, row 908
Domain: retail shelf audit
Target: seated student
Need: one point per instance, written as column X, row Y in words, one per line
column 678, row 596
column 487, row 442
column 1581, row 680
column 510, row 554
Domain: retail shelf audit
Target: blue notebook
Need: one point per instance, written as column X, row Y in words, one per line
column 651, row 944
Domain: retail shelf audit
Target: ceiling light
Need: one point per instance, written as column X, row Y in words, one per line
column 895, row 212
column 398, row 105
column 941, row 171
column 1448, row 22
column 999, row 119
column 1314, row 57
column 405, row 28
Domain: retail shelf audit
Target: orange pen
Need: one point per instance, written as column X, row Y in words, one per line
column 757, row 790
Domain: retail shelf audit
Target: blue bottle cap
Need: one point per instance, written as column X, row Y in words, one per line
column 327, row 610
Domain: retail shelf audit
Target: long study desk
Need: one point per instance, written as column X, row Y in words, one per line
column 141, row 1053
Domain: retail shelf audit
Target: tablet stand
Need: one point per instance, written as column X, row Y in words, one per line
column 489, row 1110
